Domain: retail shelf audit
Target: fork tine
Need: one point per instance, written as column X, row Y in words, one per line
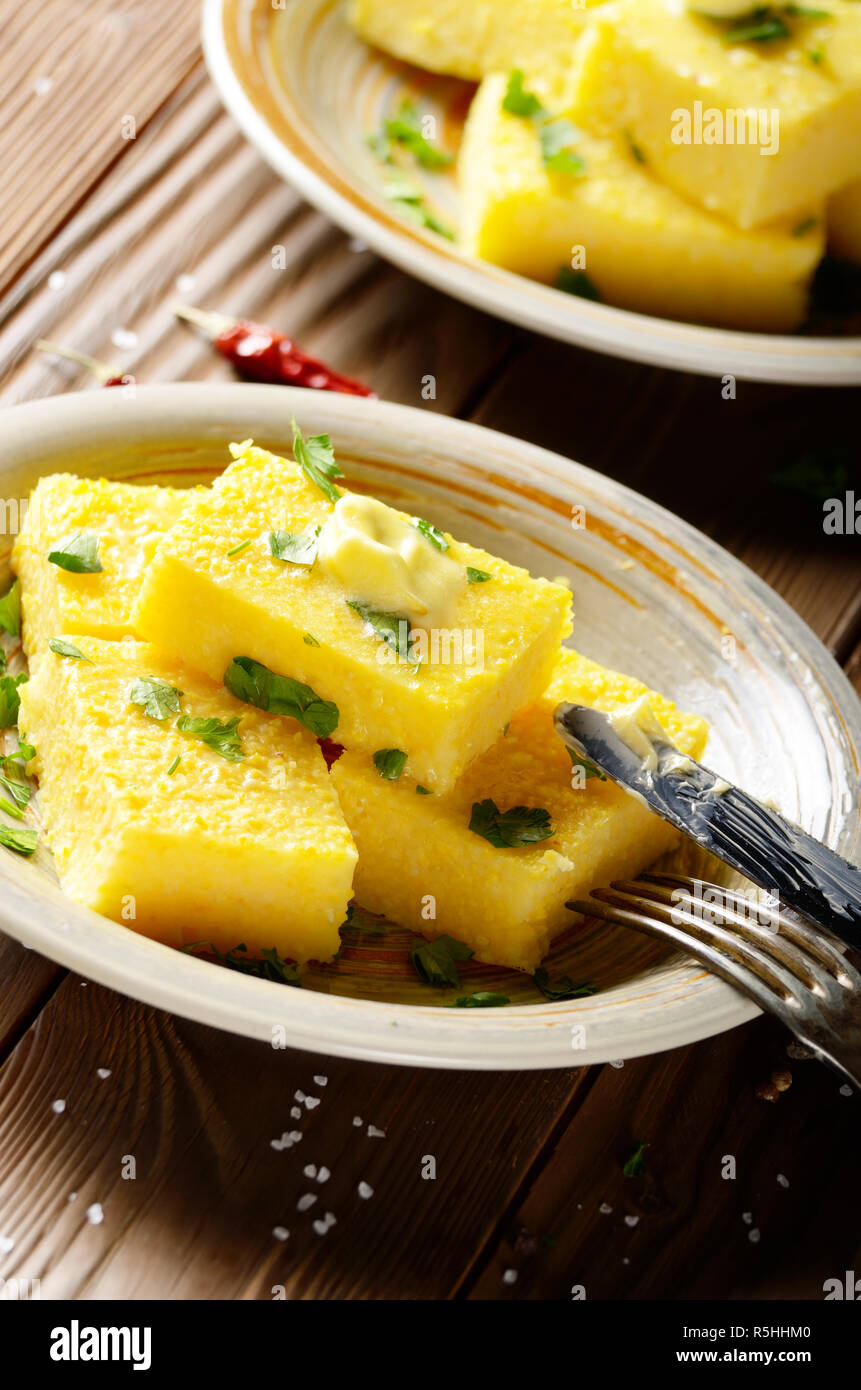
column 764, row 990
column 816, row 940
column 725, row 914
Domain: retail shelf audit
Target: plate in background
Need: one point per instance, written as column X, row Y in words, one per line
column 652, row 596
column 306, row 91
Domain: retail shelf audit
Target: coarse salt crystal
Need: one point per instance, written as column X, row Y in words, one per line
column 58, row 1106
column 95, row 1215
column 280, row 1232
column 306, row 1201
column 365, row 1190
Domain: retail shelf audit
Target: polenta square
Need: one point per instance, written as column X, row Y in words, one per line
column 635, row 242
column 469, row 40
column 753, row 117
column 181, row 813
column 82, row 551
column 493, row 862
column 294, row 592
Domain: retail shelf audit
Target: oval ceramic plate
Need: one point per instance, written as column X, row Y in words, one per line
column 307, row 91
column 652, row 596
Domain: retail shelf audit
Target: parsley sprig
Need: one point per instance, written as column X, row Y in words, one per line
column 405, row 129
column 392, row 628
column 521, row 825
column 562, row 988
column 10, row 610
column 256, row 685
column 316, row 457
column 78, row 554
column 435, row 962
column 295, row 548
column 556, row 135
column 390, row 763
column 157, row 698
column 10, row 699
column 268, row 966
column 218, row 734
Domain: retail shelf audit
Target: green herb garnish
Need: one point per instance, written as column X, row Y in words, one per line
column 21, row 840
column 238, row 549
column 763, row 30
column 254, row 683
column 563, row 988
column 482, row 999
column 10, row 610
column 435, row 962
column 316, row 457
column 61, row 648
column 557, row 139
column 577, row 282
column 474, row 576
column 588, row 767
column 806, row 226
column 219, row 735
column 423, row 791
column 293, row 548
column 79, row 554
column 309, row 639
column 635, row 1165
column 392, row 628
column 9, row 699
column 635, row 149
column 412, row 203
column 431, row 533
column 158, row 699
column 405, row 129
column 174, row 765
column 22, row 754
column 517, row 101
column 269, row 966
column 19, row 793
column 521, row 825
column 390, row 763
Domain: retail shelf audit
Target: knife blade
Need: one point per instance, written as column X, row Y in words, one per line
column 751, row 837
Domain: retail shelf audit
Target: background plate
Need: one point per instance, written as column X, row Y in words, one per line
column 307, row 91
column 651, row 595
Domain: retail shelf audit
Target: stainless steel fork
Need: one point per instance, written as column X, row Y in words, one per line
column 790, row 968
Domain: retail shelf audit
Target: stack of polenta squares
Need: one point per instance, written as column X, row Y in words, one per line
column 685, row 160
column 188, row 655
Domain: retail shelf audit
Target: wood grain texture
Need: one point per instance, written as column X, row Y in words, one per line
column 197, row 1110
column 70, row 75
column 26, row 981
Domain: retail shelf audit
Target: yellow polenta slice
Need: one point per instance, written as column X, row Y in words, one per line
column 422, row 866
column 469, row 40
column 844, row 223
column 128, row 522
column 665, row 74
column 215, row 592
column 642, row 246
column 204, row 848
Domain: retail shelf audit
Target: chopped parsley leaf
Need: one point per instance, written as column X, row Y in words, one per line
column 392, row 628
column 79, row 554
column 563, row 988
column 635, row 1165
column 806, row 226
column 481, row 999
column 174, row 765
column 19, row 793
column 309, row 639
column 158, row 699
column 431, row 533
column 412, row 203
column 219, row 735
column 390, row 763
column 10, row 610
column 763, row 30
column 435, row 962
column 474, row 576
column 423, row 791
column 22, row 754
column 61, row 648
column 517, row 101
column 635, row 149
column 316, row 457
column 557, row 139
column 238, row 549
column 293, row 548
column 577, row 282
column 254, row 683
column 269, row 966
column 9, row 699
column 521, row 825
column 15, row 837
column 405, row 129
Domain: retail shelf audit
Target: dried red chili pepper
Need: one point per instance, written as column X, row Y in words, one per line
column 331, row 751
column 107, row 376
column 259, row 353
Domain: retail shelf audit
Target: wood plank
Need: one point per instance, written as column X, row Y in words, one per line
column 70, row 75
column 26, row 982
column 198, row 1109
column 716, row 462
column 684, row 1230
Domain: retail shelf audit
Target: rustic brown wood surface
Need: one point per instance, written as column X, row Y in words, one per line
column 103, row 233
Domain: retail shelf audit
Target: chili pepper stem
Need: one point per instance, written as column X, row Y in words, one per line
column 100, row 370
column 211, row 323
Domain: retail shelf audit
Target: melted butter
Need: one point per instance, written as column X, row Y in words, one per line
column 636, row 725
column 381, row 559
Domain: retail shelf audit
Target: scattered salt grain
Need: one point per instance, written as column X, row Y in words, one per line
column 296, row 1112
column 310, row 1170
column 56, row 280
column 510, row 1276
column 753, row 1235
column 42, row 86
column 306, row 1201
column 324, row 1225
column 632, row 1220
column 845, row 1090
column 321, row 1080
column 299, row 1096
column 617, row 1065
column 747, row 1217
column 124, row 338
column 280, row 1232
column 95, row 1215
column 103, row 1073
column 374, row 1133
column 72, row 1197
column 58, row 1106
column 6, row 1243
column 784, row 1182
column 605, row 1209
column 311, row 1102
column 365, row 1190
column 357, row 1121
column 185, row 283
column 324, row 1175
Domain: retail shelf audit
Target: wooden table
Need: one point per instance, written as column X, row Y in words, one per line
column 99, row 235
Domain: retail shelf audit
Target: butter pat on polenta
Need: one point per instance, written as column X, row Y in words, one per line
column 507, row 902
column 644, row 246
column 249, row 573
column 185, row 816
